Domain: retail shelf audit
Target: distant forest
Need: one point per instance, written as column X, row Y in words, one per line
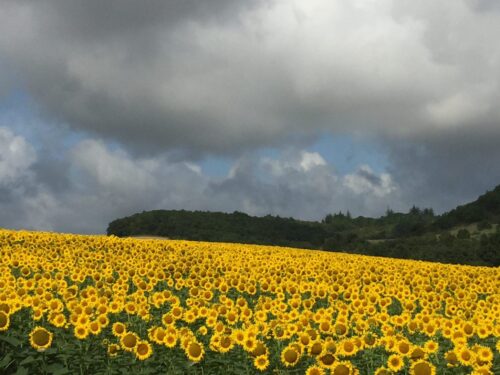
column 468, row 234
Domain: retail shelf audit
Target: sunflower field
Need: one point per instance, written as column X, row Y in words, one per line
column 73, row 304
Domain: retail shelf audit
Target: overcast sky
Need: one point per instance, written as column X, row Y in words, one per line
column 290, row 108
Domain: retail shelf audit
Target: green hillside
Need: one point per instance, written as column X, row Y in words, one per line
column 485, row 209
column 468, row 234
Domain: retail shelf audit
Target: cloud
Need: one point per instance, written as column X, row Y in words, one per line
column 225, row 76
column 364, row 180
column 169, row 82
column 16, row 157
column 446, row 170
column 302, row 184
column 107, row 182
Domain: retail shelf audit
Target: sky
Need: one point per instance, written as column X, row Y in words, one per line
column 290, row 108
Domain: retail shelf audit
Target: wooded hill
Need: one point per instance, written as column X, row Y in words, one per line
column 468, row 234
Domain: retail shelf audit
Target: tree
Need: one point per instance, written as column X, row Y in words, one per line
column 415, row 211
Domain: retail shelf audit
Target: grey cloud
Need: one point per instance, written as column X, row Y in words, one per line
column 447, row 170
column 301, row 185
column 370, row 176
column 484, row 5
column 108, row 183
column 222, row 77
column 16, row 156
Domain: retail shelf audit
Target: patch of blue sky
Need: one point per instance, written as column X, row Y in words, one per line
column 20, row 114
column 347, row 153
column 344, row 153
column 216, row 166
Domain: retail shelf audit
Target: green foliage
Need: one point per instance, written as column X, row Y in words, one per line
column 221, row 227
column 485, row 208
column 463, row 234
column 484, row 225
column 417, row 234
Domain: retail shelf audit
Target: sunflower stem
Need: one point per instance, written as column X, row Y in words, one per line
column 44, row 363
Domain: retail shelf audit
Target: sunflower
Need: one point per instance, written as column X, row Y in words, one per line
column 194, row 351
column 129, row 341
column 340, row 329
column 324, row 326
column 290, row 356
column 225, row 344
column 431, row 346
column 304, row 339
column 315, row 370
column 168, row 319
column 483, row 331
column 369, row 340
column 94, row 327
column 118, row 329
column 330, row 346
column 238, row 336
column 468, row 329
column 203, row 330
column 250, row 344
column 417, row 353
column 261, row 362
column 143, row 350
column 451, row 358
column 403, row 347
column 58, row 320
column 382, row 371
column 4, row 321
column 103, row 320
column 484, row 354
column 395, row 362
column 81, row 332
column 347, row 348
column 170, row 340
column 157, row 335
column 422, row 367
column 315, row 348
column 326, row 360
column 40, row 338
column 482, row 370
column 113, row 350
column 342, row 368
column 465, row 356
column 37, row 314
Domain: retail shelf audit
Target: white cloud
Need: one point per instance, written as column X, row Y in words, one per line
column 107, row 183
column 365, row 181
column 16, row 157
column 114, row 170
column 292, row 161
column 193, row 167
column 310, row 160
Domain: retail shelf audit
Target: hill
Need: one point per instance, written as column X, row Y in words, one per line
column 221, row 227
column 484, row 209
column 468, row 234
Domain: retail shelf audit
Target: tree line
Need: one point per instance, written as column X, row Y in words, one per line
column 416, row 234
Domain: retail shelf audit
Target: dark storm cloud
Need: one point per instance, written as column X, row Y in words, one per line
column 128, row 70
column 224, row 76
column 447, row 170
column 89, row 20
column 214, row 78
